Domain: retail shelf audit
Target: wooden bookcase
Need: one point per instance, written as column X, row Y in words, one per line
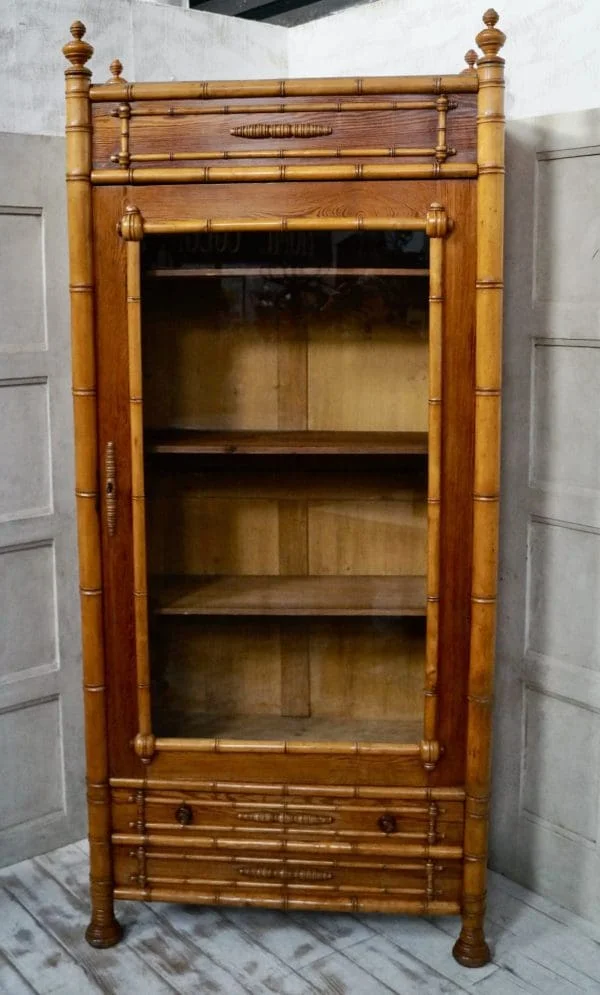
column 286, row 315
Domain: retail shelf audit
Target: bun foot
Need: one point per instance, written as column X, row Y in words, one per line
column 471, row 950
column 103, row 934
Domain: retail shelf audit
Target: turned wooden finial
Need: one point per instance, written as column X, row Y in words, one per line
column 470, row 59
column 78, row 51
column 131, row 226
column 116, row 68
column 491, row 39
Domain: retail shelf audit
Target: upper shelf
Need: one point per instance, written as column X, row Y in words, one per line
column 280, row 271
column 192, row 441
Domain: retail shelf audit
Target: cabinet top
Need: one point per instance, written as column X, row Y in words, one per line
column 160, row 132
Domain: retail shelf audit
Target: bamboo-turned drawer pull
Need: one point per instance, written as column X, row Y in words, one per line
column 388, row 823
column 110, row 487
column 285, row 874
column 264, row 130
column 184, row 815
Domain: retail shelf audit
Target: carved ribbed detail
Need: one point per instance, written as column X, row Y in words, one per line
column 285, row 874
column 263, row 130
column 287, row 818
column 110, row 470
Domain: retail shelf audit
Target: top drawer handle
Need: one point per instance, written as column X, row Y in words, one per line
column 184, row 815
column 281, row 130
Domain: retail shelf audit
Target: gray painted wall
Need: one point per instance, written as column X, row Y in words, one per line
column 41, row 731
column 547, row 754
column 42, row 803
column 153, row 41
column 547, row 741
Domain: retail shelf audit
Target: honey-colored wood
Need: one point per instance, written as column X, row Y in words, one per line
column 330, row 86
column 436, row 302
column 144, row 743
column 471, row 948
column 354, row 792
column 287, row 485
column 319, row 442
column 280, row 174
column 297, row 107
column 319, row 595
column 257, row 223
column 103, row 930
column 317, row 153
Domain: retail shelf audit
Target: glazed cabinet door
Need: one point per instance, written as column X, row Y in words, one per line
column 274, row 472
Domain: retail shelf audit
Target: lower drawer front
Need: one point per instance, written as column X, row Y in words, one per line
column 155, row 870
column 197, row 813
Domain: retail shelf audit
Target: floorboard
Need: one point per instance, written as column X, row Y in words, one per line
column 537, row 946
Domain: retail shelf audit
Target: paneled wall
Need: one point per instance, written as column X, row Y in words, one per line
column 547, row 756
column 41, row 800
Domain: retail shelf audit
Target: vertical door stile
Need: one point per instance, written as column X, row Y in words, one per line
column 433, row 487
column 144, row 741
column 436, row 229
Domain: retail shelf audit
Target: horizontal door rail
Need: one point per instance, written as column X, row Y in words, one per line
column 133, row 226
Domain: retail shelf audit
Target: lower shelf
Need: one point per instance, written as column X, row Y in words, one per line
column 276, row 727
column 262, row 595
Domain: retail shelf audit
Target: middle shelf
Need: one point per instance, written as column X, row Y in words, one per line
column 195, row 441
column 284, row 595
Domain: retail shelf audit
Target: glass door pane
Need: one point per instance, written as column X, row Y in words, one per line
column 286, row 414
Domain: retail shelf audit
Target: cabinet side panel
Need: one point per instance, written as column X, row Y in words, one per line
column 113, row 413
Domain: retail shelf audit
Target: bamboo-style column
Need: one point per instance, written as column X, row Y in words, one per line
column 284, row 174
column 132, row 230
column 471, row 950
column 103, row 930
column 329, row 86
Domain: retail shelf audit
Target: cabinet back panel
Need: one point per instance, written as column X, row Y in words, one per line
column 190, row 533
column 363, row 669
column 237, row 353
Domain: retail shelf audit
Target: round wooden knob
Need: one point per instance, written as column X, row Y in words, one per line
column 184, row 815
column 387, row 823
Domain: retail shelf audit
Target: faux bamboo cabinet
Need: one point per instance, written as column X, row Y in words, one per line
column 286, row 315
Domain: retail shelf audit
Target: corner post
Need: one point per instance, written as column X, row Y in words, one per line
column 103, row 930
column 471, row 949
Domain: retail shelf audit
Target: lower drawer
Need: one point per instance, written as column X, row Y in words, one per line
column 157, row 871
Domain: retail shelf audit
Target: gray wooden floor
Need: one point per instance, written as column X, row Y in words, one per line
column 538, row 947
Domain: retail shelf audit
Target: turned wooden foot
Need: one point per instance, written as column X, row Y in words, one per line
column 470, row 949
column 103, row 933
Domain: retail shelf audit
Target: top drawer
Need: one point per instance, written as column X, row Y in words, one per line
column 246, row 814
column 244, row 132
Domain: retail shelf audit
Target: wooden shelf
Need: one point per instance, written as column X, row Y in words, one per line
column 397, row 596
column 190, row 441
column 309, row 479
column 279, row 271
column 199, row 725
